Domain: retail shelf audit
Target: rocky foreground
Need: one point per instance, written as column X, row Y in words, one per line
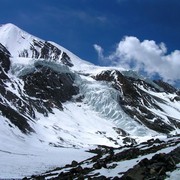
column 148, row 160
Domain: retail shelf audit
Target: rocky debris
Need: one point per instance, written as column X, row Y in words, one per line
column 109, row 157
column 74, row 163
column 137, row 102
column 155, row 168
column 44, row 84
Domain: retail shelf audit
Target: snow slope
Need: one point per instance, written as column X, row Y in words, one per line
column 17, row 41
column 93, row 116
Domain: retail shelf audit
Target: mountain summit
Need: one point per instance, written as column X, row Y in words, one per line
column 53, row 103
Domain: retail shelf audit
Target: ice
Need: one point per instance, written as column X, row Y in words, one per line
column 65, row 135
column 102, row 98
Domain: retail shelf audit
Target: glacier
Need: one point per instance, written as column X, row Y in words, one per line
column 108, row 106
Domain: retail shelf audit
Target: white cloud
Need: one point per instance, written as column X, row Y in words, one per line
column 99, row 50
column 147, row 56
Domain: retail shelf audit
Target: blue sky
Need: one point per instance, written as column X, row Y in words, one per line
column 79, row 24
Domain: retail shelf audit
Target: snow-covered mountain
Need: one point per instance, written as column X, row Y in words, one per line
column 54, row 106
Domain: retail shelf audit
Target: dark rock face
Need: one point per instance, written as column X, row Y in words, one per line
column 167, row 87
column 4, row 62
column 49, row 87
column 15, row 117
column 47, row 51
column 66, row 60
column 136, row 102
column 41, row 90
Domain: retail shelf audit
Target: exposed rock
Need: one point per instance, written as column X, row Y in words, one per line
column 154, row 168
column 4, row 62
column 108, row 158
column 66, row 60
column 42, row 89
column 74, row 163
column 16, row 118
column 137, row 102
column 46, row 84
column 30, row 91
column 167, row 87
column 46, row 50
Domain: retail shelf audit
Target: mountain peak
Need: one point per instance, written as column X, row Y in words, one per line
column 9, row 25
column 10, row 29
column 22, row 44
column 14, row 39
column 50, row 98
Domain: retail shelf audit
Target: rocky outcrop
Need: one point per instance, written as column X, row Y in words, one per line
column 50, row 88
column 154, row 168
column 40, row 90
column 4, row 62
column 167, row 87
column 15, row 117
column 137, row 102
column 108, row 158
column 37, row 86
column 46, row 50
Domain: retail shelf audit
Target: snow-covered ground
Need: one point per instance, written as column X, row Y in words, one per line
column 170, row 107
column 117, row 167
column 28, row 161
column 123, row 166
column 65, row 135
column 174, row 175
column 71, row 131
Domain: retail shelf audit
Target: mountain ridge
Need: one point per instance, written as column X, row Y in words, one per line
column 51, row 99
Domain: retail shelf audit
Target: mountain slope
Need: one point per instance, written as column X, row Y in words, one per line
column 146, row 102
column 50, row 99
